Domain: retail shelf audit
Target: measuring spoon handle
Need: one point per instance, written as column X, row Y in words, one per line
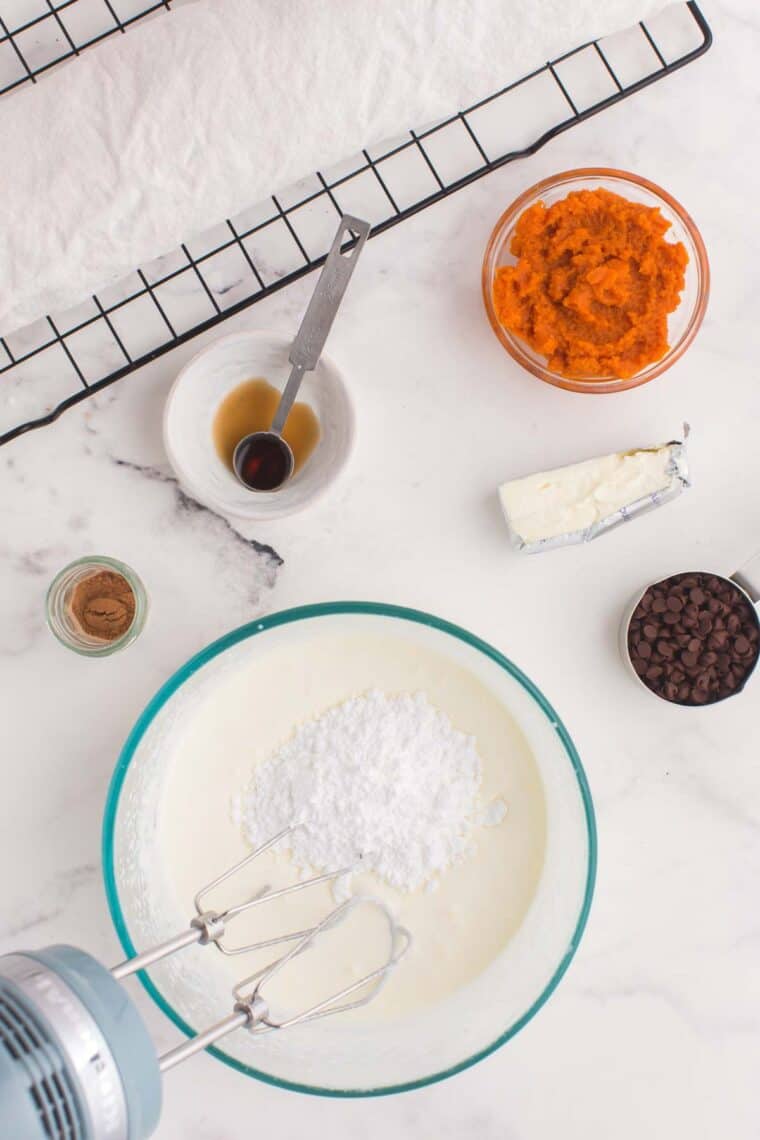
column 333, row 280
column 748, row 577
column 287, row 399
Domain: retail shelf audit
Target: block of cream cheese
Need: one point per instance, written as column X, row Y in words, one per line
column 579, row 502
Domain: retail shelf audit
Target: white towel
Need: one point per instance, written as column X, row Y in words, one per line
column 189, row 118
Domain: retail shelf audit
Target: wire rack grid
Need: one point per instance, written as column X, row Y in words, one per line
column 62, row 359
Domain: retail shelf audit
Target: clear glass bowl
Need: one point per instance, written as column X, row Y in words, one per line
column 58, row 610
column 683, row 324
column 403, row 1053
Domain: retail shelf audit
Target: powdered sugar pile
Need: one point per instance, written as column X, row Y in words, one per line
column 379, row 783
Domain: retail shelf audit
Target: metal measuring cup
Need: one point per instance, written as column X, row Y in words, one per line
column 746, row 581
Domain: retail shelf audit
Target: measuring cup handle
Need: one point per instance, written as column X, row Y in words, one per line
column 748, row 577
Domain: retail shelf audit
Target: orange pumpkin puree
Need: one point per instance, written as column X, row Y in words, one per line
column 593, row 285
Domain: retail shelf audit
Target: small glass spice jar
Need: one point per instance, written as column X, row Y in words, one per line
column 103, row 625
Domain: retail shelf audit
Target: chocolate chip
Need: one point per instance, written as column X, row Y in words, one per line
column 694, row 638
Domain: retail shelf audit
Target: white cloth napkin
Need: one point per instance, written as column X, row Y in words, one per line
column 191, row 117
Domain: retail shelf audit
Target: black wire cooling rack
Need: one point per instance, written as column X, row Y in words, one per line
column 62, row 359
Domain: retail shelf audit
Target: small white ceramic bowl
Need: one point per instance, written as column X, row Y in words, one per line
column 193, row 402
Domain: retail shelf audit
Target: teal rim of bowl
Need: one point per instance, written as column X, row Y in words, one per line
column 286, row 617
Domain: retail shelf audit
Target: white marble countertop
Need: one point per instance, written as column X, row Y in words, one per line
column 655, row 1031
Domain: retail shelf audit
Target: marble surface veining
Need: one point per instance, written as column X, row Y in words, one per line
column 656, row 1029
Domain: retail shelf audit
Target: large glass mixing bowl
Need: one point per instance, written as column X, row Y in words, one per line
column 334, row 1057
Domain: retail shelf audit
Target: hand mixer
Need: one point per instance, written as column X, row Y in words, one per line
column 76, row 1061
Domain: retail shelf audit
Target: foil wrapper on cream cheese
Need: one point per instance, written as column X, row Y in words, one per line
column 579, row 502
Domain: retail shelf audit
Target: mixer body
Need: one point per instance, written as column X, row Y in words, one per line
column 76, row 1061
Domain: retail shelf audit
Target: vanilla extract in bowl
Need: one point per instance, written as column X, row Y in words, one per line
column 250, row 408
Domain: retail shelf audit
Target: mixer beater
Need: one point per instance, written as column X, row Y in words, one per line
column 76, row 1062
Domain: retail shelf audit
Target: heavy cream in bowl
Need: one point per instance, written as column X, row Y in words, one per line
column 492, row 933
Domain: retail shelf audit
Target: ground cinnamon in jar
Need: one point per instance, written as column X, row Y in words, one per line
column 102, row 605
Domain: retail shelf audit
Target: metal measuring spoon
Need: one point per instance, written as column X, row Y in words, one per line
column 263, row 460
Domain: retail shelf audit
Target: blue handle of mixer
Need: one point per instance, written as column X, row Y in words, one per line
column 76, row 1051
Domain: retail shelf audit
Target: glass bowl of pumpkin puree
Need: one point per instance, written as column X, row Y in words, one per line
column 595, row 280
